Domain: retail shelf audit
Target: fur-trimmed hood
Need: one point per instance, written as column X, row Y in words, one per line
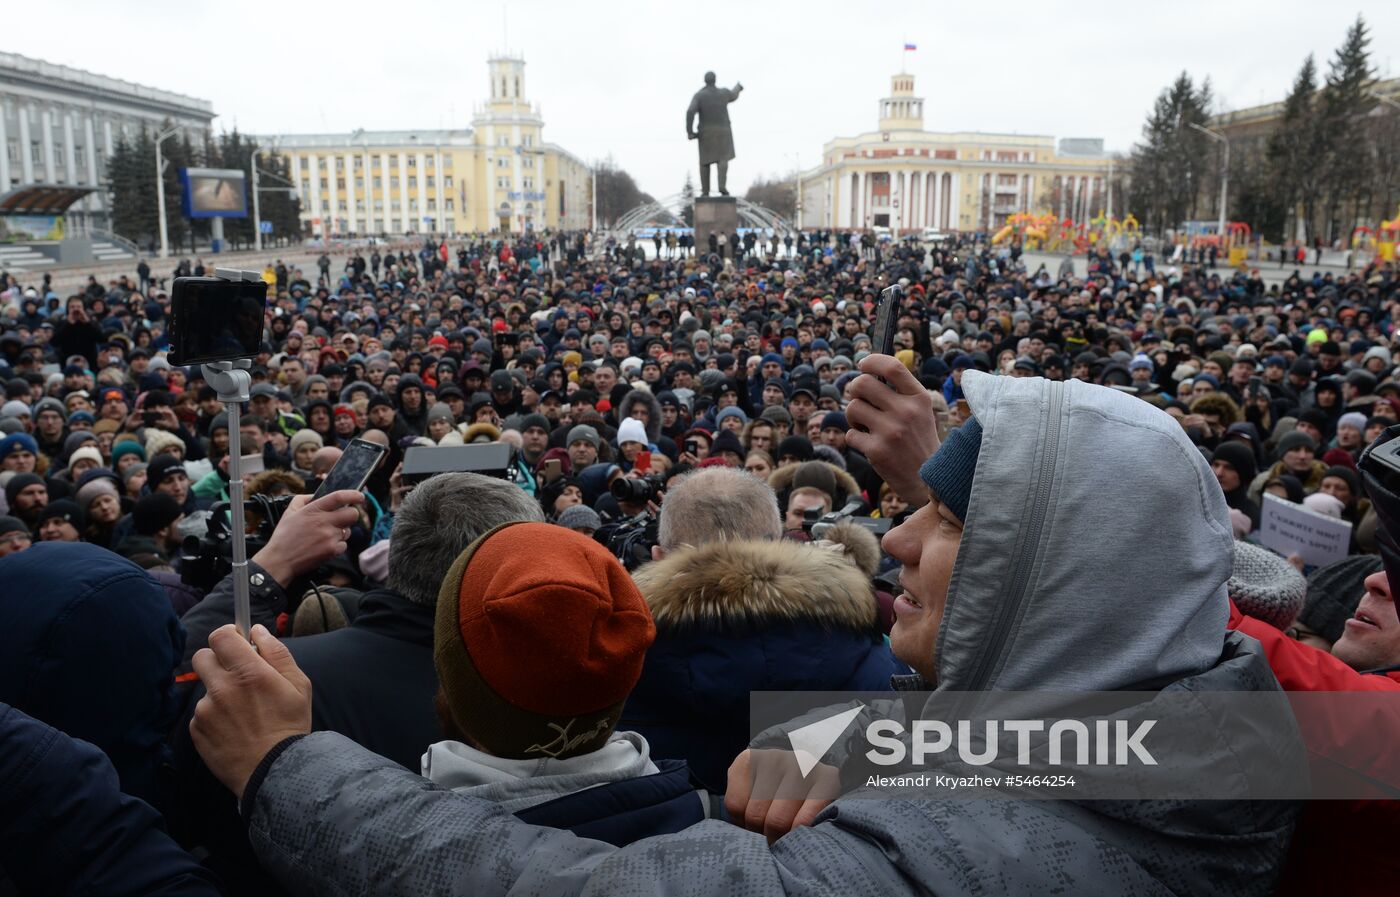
column 724, row 585
column 737, row 617
column 642, row 397
column 781, row 479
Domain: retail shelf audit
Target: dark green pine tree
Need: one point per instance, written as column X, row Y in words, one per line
column 1292, row 149
column 1345, row 153
column 1170, row 163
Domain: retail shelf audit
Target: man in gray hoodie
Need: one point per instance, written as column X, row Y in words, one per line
column 1032, row 581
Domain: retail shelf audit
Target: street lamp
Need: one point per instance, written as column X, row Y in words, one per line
column 797, row 208
column 290, row 189
column 160, row 189
column 1225, row 174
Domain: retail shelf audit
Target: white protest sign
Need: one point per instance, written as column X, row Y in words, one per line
column 1293, row 529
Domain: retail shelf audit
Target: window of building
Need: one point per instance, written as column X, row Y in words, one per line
column 393, row 160
column 529, row 183
column 305, row 185
column 446, row 161
column 359, row 163
column 412, row 161
column 413, row 205
column 325, row 183
column 448, row 203
column 1006, row 180
column 428, row 181
column 431, row 163
column 413, row 181
column 1003, row 156
column 359, row 205
column 394, row 206
column 340, row 183
column 359, row 183
column 447, row 181
column 80, row 156
column 36, row 155
column 378, row 182
column 503, row 140
column 432, row 205
column 12, row 151
column 379, row 205
column 502, row 183
column 343, row 206
column 503, row 162
column 529, row 140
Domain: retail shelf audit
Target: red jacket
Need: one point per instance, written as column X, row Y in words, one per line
column 1340, row 847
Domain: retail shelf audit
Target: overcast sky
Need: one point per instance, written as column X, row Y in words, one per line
column 615, row 77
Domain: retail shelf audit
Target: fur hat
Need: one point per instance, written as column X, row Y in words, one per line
column 498, row 606
column 1265, row 586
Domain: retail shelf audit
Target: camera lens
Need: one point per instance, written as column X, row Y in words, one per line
column 633, row 490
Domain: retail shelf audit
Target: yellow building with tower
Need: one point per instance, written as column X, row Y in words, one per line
column 905, row 178
column 498, row 176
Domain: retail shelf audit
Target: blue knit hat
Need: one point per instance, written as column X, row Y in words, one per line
column 949, row 472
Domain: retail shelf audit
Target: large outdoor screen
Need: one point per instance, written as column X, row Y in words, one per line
column 214, row 193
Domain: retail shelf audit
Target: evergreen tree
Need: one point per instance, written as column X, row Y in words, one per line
column 1345, row 157
column 1170, row 167
column 1293, row 147
column 688, row 201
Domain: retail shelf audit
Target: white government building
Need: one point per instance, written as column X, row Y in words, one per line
column 904, row 178
column 58, row 126
column 499, row 175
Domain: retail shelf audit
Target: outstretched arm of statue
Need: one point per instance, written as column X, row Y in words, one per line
column 690, row 122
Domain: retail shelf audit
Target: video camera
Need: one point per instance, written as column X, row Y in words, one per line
column 206, row 560
column 630, row 539
column 638, row 490
column 817, row 524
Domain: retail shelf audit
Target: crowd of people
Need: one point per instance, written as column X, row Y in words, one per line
column 540, row 679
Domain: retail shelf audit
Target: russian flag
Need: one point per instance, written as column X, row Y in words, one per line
column 911, row 46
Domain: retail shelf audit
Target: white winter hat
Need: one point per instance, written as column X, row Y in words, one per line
column 632, row 430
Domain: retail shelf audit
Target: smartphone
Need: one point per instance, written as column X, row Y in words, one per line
column 354, row 467
column 692, row 446
column 887, row 320
column 149, row 418
column 251, row 464
column 212, row 319
column 643, row 463
column 553, row 469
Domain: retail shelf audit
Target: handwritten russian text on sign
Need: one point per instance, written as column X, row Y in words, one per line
column 1293, row 529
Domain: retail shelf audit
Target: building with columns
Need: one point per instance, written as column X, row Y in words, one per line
column 58, row 126
column 498, row 175
column 905, row 178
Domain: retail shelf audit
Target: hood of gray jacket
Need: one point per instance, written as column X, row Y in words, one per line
column 1096, row 548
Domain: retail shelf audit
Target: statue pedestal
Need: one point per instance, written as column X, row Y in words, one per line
column 712, row 215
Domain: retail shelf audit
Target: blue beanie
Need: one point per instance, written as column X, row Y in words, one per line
column 731, row 411
column 835, row 419
column 18, row 442
column 949, row 472
column 788, row 341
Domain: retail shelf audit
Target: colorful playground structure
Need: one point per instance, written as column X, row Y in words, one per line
column 1047, row 233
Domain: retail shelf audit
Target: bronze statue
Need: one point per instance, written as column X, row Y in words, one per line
column 716, row 140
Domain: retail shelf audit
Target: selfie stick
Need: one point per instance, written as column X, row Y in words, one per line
column 231, row 380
